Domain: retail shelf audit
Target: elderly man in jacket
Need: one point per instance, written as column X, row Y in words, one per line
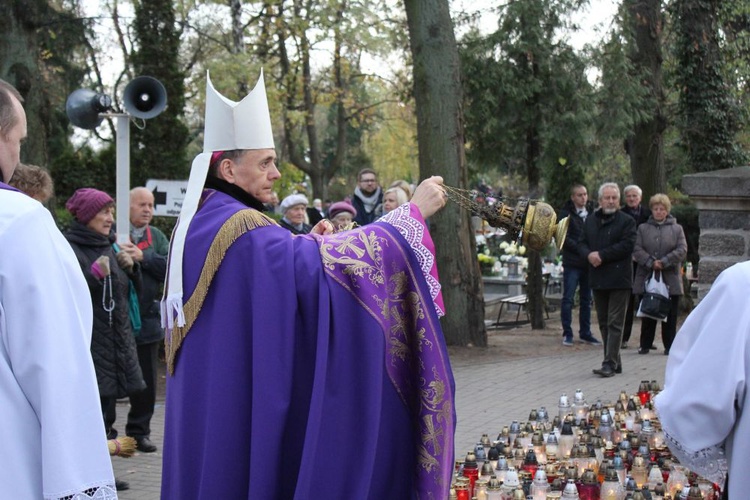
column 150, row 247
column 607, row 244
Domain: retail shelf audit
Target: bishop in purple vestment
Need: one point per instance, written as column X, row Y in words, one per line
column 303, row 366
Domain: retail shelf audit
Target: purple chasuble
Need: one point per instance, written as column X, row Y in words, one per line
column 311, row 367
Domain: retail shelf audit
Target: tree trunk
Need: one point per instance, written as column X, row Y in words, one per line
column 646, row 146
column 305, row 147
column 19, row 45
column 437, row 91
column 535, row 290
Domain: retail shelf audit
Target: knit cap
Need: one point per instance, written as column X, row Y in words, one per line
column 341, row 206
column 293, row 200
column 86, row 203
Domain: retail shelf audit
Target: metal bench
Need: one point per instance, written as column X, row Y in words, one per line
column 517, row 300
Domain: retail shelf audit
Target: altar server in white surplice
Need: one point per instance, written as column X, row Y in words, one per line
column 52, row 441
column 704, row 407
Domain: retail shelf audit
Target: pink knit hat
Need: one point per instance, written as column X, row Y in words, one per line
column 86, row 203
column 341, row 206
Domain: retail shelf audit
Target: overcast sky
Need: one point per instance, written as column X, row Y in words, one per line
column 597, row 15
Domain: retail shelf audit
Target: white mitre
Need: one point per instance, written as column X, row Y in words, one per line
column 229, row 125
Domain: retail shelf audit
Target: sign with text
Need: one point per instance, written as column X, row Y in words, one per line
column 168, row 196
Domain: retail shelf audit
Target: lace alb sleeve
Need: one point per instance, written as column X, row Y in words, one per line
column 711, row 463
column 409, row 222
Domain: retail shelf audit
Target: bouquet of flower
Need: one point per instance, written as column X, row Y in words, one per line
column 511, row 249
column 486, row 263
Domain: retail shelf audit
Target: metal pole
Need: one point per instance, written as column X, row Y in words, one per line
column 123, row 178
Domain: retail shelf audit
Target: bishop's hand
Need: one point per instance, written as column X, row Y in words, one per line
column 430, row 196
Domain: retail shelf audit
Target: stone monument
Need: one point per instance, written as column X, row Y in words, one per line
column 723, row 201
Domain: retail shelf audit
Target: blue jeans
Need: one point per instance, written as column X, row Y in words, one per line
column 576, row 278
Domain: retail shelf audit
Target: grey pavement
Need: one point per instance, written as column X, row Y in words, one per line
column 489, row 395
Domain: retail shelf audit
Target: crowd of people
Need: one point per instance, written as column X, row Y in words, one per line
column 366, row 204
column 259, row 320
column 610, row 252
column 87, row 310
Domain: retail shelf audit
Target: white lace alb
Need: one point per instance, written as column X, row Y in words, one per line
column 413, row 232
column 104, row 492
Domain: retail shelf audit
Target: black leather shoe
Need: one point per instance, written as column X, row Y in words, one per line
column 145, row 445
column 618, row 370
column 643, row 351
column 653, row 347
column 121, row 485
column 605, row 371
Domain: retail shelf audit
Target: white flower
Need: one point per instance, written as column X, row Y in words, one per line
column 521, row 250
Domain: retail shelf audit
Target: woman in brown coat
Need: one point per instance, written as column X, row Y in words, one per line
column 660, row 246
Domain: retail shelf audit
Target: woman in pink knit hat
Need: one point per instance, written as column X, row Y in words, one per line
column 108, row 274
column 341, row 214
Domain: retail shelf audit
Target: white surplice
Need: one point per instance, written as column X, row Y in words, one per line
column 704, row 409
column 52, row 440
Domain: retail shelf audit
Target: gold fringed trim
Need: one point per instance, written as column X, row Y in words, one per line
column 237, row 225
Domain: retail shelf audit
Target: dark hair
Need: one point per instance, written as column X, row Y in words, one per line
column 366, row 171
column 8, row 115
column 576, row 186
column 232, row 154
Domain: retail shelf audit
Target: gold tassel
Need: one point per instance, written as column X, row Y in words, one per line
column 237, row 225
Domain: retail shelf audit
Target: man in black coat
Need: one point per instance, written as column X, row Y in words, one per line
column 607, row 244
column 576, row 268
column 640, row 214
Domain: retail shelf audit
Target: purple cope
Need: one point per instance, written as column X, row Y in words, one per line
column 309, row 367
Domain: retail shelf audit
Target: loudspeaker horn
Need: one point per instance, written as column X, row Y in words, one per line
column 145, row 97
column 83, row 107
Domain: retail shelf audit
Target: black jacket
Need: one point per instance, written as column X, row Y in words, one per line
column 613, row 236
column 363, row 216
column 118, row 373
column 570, row 255
column 306, row 228
column 639, row 216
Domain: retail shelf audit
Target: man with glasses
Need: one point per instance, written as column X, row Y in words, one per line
column 368, row 197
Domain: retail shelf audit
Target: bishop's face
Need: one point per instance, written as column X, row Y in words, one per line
column 255, row 172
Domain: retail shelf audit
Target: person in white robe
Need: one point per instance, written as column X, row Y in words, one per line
column 704, row 408
column 52, row 440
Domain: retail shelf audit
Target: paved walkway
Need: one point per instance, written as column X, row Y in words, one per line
column 489, row 395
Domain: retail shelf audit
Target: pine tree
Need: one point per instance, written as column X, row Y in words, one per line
column 709, row 118
column 159, row 149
